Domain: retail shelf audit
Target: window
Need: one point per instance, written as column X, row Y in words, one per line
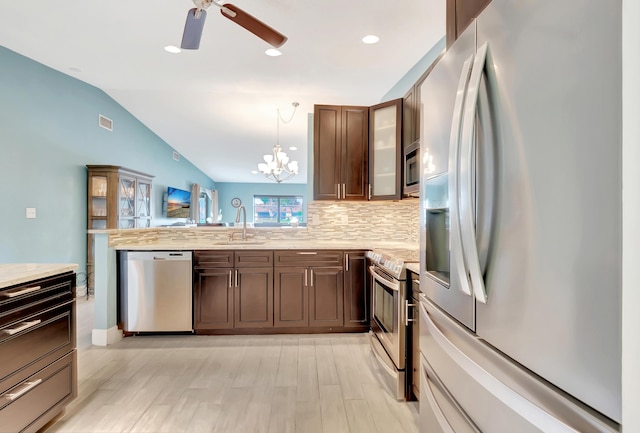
column 276, row 209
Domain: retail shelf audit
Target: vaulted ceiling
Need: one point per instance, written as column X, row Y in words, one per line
column 217, row 106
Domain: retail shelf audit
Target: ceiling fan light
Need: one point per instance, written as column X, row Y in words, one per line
column 370, row 39
column 272, row 52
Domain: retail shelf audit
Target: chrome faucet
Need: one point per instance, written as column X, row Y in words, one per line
column 244, row 221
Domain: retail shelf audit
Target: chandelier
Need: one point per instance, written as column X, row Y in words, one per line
column 277, row 166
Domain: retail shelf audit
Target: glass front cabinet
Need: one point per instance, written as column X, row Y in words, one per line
column 385, row 146
column 118, row 198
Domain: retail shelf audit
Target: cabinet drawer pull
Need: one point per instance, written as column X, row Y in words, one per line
column 21, row 292
column 22, row 327
column 28, row 387
column 307, row 253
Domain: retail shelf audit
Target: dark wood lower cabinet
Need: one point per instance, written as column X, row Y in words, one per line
column 326, row 297
column 306, row 291
column 356, row 290
column 213, row 299
column 232, row 290
column 253, row 298
column 291, row 297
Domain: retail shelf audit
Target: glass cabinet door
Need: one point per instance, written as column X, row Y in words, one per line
column 98, row 205
column 385, row 147
column 143, row 204
column 126, row 203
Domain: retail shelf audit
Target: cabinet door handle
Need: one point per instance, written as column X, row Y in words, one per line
column 406, row 313
column 22, row 327
column 346, row 261
column 21, row 292
column 369, row 191
column 306, row 282
column 236, row 278
column 230, row 277
column 344, row 191
column 311, row 279
column 28, row 387
column 338, row 190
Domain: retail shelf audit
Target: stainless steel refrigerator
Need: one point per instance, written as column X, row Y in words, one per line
column 521, row 222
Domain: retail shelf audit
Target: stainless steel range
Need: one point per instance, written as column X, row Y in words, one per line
column 390, row 316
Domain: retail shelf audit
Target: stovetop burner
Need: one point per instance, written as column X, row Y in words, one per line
column 393, row 260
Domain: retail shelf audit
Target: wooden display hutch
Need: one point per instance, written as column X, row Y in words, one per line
column 117, row 198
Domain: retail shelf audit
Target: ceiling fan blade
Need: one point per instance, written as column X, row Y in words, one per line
column 254, row 25
column 193, row 29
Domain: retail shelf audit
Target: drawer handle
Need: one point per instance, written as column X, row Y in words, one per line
column 25, row 325
column 307, row 253
column 21, row 292
column 28, row 387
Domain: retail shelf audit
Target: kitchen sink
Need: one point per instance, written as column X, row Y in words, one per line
column 241, row 242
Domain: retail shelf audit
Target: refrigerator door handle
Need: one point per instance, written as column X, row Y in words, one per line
column 454, row 161
column 535, row 415
column 467, row 178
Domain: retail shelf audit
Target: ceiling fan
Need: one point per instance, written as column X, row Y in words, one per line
column 195, row 23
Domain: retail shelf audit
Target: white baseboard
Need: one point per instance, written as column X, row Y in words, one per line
column 105, row 337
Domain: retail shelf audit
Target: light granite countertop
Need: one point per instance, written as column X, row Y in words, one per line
column 17, row 273
column 414, row 267
column 269, row 245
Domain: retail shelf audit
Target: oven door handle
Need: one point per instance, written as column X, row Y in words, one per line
column 393, row 285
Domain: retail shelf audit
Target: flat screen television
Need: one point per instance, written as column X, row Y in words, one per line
column 178, row 203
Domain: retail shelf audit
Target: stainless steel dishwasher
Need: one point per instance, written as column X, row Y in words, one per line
column 156, row 291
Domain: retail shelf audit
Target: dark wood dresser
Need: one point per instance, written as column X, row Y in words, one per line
column 38, row 360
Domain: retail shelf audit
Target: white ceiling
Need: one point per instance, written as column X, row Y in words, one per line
column 217, row 106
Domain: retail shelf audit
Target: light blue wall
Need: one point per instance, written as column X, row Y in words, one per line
column 48, row 133
column 413, row 74
column 246, row 191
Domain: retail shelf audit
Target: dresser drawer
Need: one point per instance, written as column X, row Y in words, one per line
column 35, row 341
column 33, row 402
column 251, row 259
column 26, row 299
column 308, row 258
column 213, row 259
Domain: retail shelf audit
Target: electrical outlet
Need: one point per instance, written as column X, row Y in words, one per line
column 31, row 212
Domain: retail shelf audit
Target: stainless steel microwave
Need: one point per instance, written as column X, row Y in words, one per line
column 411, row 162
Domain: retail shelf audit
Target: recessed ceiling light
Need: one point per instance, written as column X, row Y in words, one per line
column 254, row 172
column 272, row 52
column 172, row 49
column 293, row 148
column 370, row 39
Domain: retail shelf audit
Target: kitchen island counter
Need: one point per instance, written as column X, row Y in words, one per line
column 18, row 273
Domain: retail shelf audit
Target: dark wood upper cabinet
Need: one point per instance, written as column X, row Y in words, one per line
column 460, row 13
column 340, row 153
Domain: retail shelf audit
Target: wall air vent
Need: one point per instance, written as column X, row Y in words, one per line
column 176, row 156
column 105, row 122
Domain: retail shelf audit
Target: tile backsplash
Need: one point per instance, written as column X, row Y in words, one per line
column 396, row 221
column 376, row 220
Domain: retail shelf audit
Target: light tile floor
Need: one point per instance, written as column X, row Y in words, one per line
column 231, row 384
